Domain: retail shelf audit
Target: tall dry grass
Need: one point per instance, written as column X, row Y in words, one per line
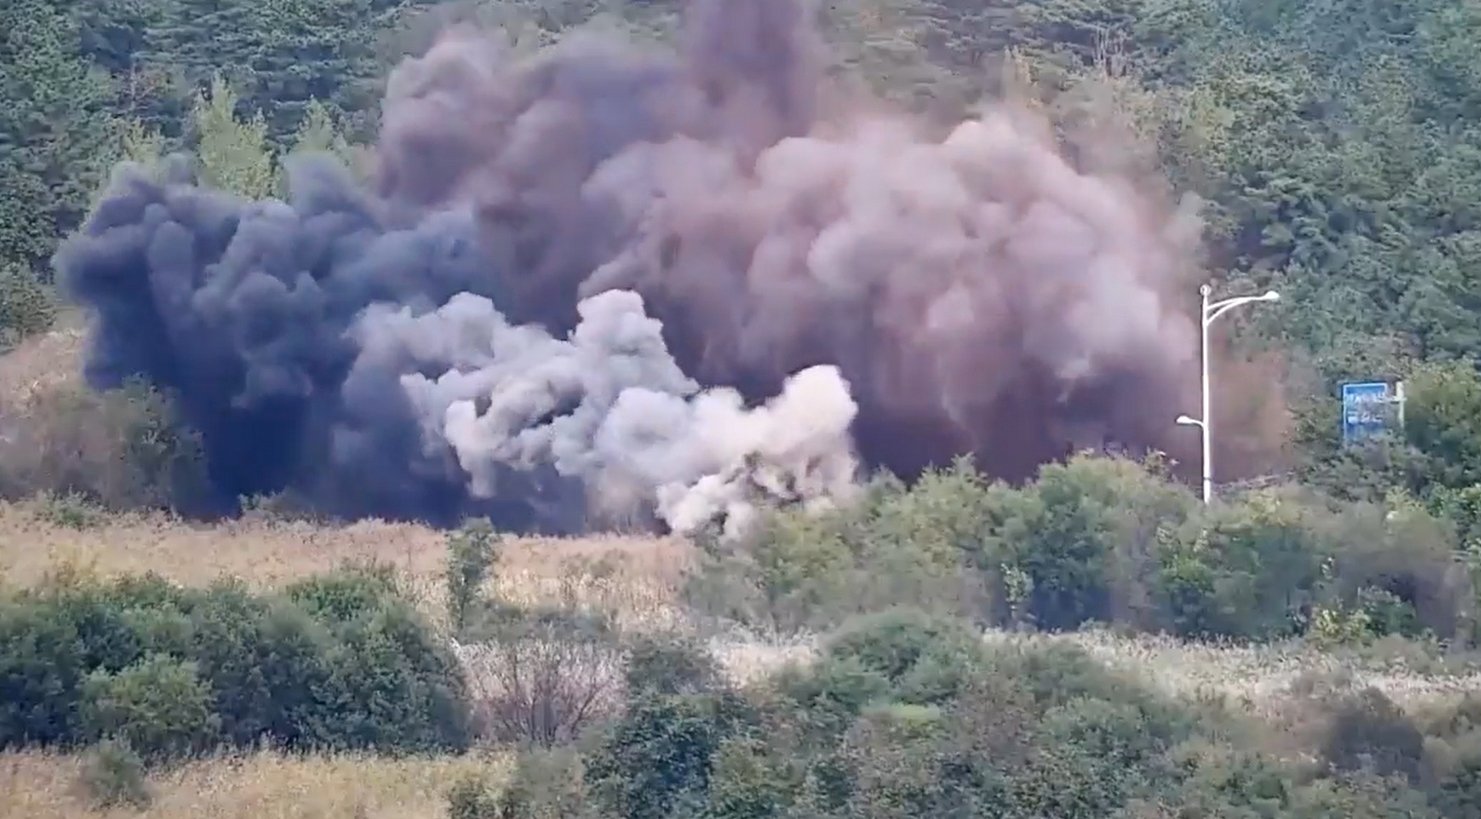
column 634, row 580
column 263, row 785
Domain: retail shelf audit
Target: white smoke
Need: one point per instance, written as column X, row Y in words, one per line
column 609, row 406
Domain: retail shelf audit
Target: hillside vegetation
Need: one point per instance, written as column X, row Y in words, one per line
column 1094, row 642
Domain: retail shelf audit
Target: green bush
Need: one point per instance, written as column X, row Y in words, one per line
column 345, row 595
column 116, row 450
column 656, row 758
column 41, row 668
column 27, row 306
column 1247, row 569
column 113, row 775
column 471, row 554
column 267, row 660
column 472, row 797
column 667, row 664
column 159, row 707
column 390, row 684
column 545, row 785
column 895, row 546
column 362, row 670
column 1397, row 564
column 1366, row 731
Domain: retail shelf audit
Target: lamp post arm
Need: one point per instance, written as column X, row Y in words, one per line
column 1220, row 308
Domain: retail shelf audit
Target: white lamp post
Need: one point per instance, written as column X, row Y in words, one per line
column 1211, row 312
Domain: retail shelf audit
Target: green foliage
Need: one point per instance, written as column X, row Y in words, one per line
column 669, row 665
column 53, row 128
column 1443, row 422
column 318, row 133
column 1086, row 538
column 1247, row 570
column 172, row 670
column 121, row 449
column 113, row 775
column 657, row 757
column 471, row 554
column 1368, row 732
column 353, row 592
column 26, row 305
column 234, row 155
column 472, row 798
column 159, row 706
column 896, row 546
column 1027, row 732
column 545, row 785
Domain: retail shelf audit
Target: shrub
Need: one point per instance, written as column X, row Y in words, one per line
column 160, row 707
column 390, row 684
column 542, row 677
column 27, row 306
column 113, row 775
column 118, row 449
column 351, row 592
column 891, row 754
column 267, row 660
column 41, row 668
column 1366, row 731
column 659, row 753
column 472, row 798
column 361, row 675
column 894, row 643
column 669, row 664
column 1396, row 563
column 470, row 555
column 1248, row 569
column 749, row 777
column 892, row 547
column 1086, row 538
column 546, row 785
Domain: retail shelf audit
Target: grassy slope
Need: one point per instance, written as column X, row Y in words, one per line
column 635, row 579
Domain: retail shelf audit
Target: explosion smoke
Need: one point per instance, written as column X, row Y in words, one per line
column 564, row 251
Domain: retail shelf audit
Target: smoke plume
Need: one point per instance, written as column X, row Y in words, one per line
column 604, row 280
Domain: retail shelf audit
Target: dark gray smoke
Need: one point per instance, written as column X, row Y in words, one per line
column 601, row 280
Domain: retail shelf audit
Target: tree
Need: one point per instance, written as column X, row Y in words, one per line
column 233, row 155
column 54, row 129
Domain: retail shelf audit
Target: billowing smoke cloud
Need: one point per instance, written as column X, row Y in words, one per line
column 603, row 280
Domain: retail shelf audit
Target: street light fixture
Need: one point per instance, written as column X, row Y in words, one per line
column 1208, row 314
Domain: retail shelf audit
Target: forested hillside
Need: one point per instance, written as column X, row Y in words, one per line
column 1335, row 143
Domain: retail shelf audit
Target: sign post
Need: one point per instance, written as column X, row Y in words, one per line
column 1366, row 409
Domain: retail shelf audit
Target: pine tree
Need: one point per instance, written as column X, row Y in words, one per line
column 234, row 155
column 55, row 129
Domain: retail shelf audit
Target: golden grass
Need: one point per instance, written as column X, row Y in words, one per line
column 261, row 785
column 636, row 580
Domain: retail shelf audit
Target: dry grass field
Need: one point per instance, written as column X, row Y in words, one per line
column 633, row 579
column 40, row 785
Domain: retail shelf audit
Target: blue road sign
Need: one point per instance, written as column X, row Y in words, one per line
column 1365, row 410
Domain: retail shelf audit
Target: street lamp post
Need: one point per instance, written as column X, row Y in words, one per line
column 1207, row 316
